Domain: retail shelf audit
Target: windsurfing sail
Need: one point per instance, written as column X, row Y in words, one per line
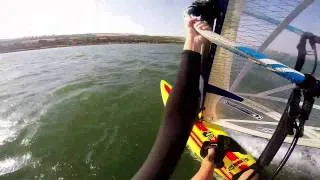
column 262, row 26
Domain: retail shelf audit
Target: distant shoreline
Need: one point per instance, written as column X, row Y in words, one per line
column 46, row 42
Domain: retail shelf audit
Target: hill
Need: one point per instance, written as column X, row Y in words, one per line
column 42, row 42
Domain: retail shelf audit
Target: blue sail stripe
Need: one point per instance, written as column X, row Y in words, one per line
column 275, row 66
column 251, row 52
column 280, row 69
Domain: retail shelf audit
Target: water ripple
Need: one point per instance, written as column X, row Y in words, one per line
column 13, row 164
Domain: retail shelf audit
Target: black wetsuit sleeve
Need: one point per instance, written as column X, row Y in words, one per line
column 180, row 113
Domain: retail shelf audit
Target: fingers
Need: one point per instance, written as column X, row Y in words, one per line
column 189, row 20
column 247, row 174
column 211, row 153
column 202, row 25
column 194, row 22
column 207, row 162
column 205, row 27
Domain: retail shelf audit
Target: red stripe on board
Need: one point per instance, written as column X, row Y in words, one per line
column 231, row 156
column 168, row 89
column 238, row 162
column 195, row 141
column 243, row 167
column 197, row 137
column 229, row 172
column 224, row 172
column 201, row 126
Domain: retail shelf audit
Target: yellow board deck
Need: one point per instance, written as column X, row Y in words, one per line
column 234, row 162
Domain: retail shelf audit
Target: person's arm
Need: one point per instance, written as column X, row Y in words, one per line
column 180, row 111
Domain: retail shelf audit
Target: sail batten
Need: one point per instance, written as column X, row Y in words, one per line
column 279, row 28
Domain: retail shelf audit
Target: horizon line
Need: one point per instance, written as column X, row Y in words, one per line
column 110, row 33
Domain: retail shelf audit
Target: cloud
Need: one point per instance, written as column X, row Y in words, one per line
column 47, row 17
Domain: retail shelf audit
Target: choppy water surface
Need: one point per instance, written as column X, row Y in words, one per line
column 89, row 112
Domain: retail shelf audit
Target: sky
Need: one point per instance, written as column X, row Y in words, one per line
column 308, row 20
column 22, row 18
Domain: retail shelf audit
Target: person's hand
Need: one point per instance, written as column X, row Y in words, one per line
column 194, row 40
column 191, row 34
column 208, row 160
column 206, row 170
